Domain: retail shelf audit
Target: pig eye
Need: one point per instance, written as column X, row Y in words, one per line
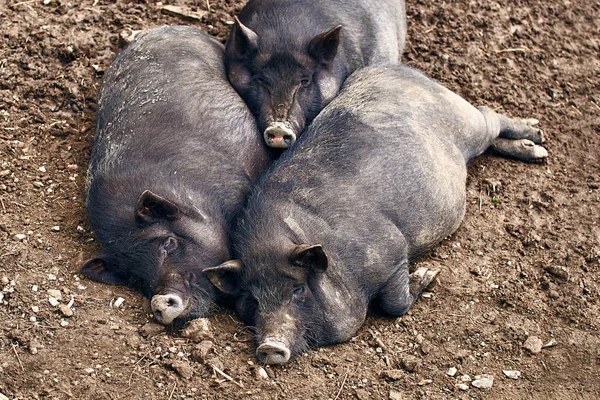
column 259, row 80
column 300, row 292
column 305, row 82
column 170, row 245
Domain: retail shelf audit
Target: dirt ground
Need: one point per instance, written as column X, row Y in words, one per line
column 522, row 270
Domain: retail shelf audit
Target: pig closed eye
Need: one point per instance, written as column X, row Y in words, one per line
column 170, row 245
column 299, row 293
column 305, row 82
column 258, row 80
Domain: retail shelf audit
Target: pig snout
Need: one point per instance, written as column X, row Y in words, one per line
column 279, row 135
column 272, row 351
column 167, row 307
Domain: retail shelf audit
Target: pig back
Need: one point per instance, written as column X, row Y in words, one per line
column 380, row 161
column 166, row 98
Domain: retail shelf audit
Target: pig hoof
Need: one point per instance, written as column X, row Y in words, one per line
column 522, row 149
column 421, row 278
column 279, row 135
column 167, row 307
column 273, row 352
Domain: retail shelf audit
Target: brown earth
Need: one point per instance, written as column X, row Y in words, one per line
column 524, row 264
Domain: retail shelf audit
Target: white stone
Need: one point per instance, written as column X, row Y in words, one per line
column 53, row 301
column 462, row 386
column 262, row 373
column 118, row 302
column 451, row 371
column 42, row 168
column 19, row 237
column 57, row 294
column 35, row 309
column 55, row 228
column 483, row 381
column 512, row 374
column 34, row 288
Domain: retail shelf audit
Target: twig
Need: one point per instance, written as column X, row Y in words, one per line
column 514, row 50
column 229, row 378
column 595, row 105
column 136, row 363
column 208, row 5
column 18, row 359
column 3, row 206
column 341, row 387
column 173, row 391
column 22, row 3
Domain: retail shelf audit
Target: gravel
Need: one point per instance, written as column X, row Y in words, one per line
column 533, row 344
column 512, row 374
column 484, row 381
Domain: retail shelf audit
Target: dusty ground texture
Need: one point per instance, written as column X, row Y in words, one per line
column 522, row 268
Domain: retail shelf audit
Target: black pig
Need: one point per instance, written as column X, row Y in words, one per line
column 377, row 179
column 175, row 154
column 289, row 58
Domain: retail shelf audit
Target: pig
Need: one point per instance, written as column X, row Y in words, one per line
column 289, row 58
column 377, row 179
column 175, row 154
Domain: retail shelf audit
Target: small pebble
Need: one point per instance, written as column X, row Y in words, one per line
column 201, row 350
column 197, row 330
column 89, row 371
column 65, row 310
column 5, row 280
column 55, row 293
column 410, row 363
column 484, row 381
column 35, row 309
column 262, row 373
column 451, row 371
column 512, row 374
column 19, row 237
column 64, row 323
column 533, row 344
column 183, row 369
column 462, row 386
column 118, row 302
column 465, row 378
column 32, row 318
column 151, row 329
column 394, row 395
column 53, row 301
column 42, row 168
column 551, row 343
column 394, row 374
column 425, row 382
column 55, row 228
column 34, row 288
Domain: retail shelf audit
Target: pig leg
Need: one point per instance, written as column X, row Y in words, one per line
column 518, row 138
column 521, row 149
column 402, row 289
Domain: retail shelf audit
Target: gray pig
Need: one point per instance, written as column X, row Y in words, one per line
column 175, row 155
column 377, row 179
column 289, row 58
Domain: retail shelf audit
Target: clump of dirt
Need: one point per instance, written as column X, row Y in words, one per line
column 519, row 288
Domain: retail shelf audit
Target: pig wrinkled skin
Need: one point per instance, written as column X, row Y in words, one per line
column 289, row 58
column 175, row 154
column 377, row 179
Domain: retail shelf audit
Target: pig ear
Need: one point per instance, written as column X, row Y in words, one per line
column 310, row 256
column 98, row 269
column 242, row 40
column 225, row 277
column 324, row 46
column 151, row 207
